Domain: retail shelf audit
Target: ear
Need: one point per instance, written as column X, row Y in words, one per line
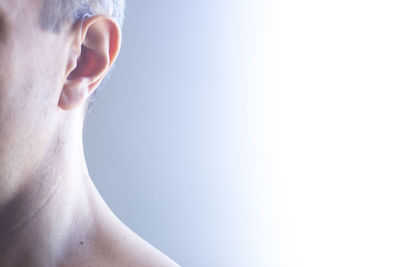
column 96, row 45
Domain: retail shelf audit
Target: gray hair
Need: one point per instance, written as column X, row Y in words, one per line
column 57, row 13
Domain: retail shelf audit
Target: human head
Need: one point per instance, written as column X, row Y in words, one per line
column 47, row 75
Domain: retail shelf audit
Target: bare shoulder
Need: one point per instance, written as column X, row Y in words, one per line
column 118, row 246
column 126, row 248
column 136, row 251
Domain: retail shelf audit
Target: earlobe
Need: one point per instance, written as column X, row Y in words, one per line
column 73, row 93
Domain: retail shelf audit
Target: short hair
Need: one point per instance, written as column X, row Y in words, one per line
column 55, row 14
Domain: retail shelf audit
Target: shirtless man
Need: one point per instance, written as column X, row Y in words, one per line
column 53, row 56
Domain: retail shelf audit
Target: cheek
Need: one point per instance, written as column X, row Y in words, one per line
column 31, row 75
column 50, row 75
column 34, row 81
column 24, row 97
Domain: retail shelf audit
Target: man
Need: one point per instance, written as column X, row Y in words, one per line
column 53, row 56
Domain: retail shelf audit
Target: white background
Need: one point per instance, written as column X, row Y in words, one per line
column 255, row 133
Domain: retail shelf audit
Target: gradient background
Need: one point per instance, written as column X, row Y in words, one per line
column 255, row 133
column 176, row 142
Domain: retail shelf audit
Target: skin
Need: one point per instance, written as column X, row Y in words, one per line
column 51, row 214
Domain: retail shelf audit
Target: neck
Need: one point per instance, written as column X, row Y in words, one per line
column 41, row 214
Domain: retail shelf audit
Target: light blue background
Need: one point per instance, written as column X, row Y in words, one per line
column 175, row 143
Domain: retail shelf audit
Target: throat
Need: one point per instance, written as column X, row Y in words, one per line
column 29, row 205
column 38, row 221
